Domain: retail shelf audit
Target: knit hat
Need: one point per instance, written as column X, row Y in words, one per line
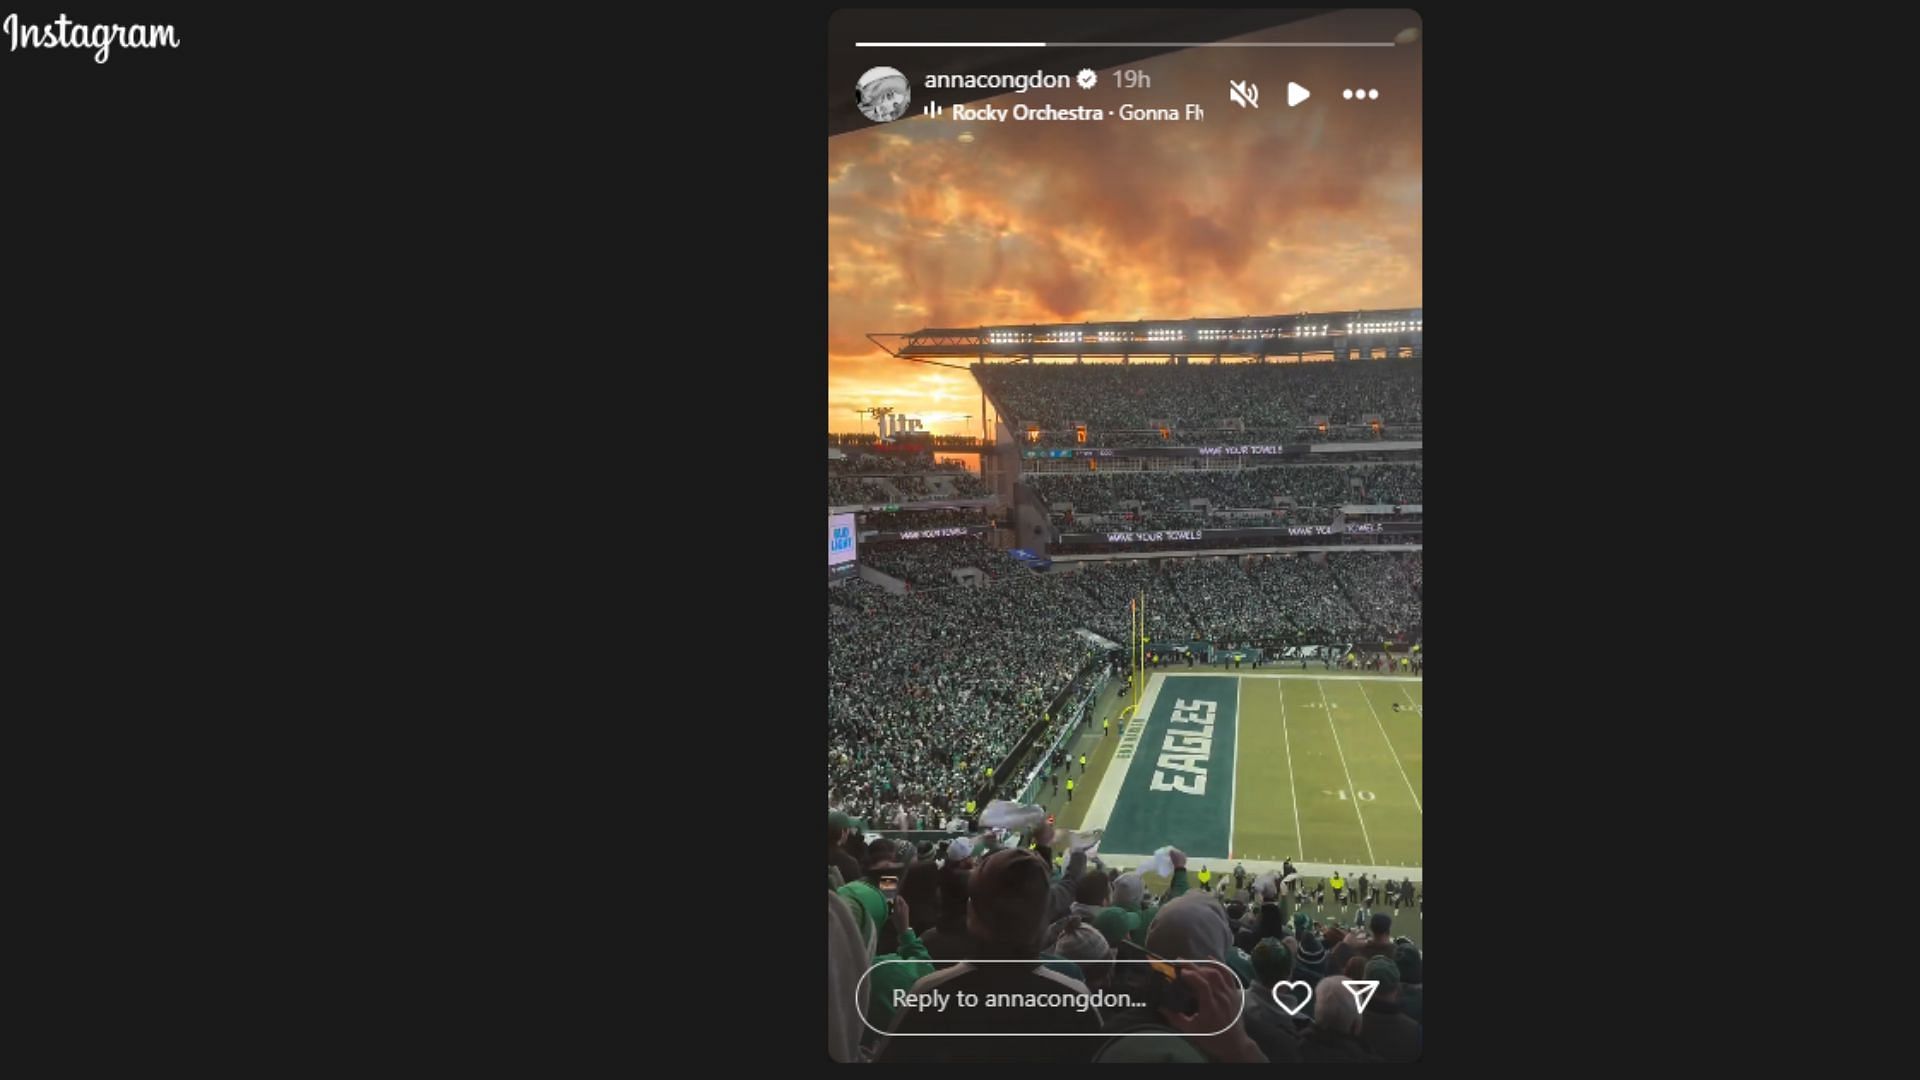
column 959, row 848
column 1127, row 889
column 1271, row 961
column 1007, row 897
column 1386, row 971
column 1082, row 942
column 1114, row 925
column 1308, row 952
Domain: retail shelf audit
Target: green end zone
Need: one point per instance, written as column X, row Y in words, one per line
column 1173, row 770
column 1260, row 767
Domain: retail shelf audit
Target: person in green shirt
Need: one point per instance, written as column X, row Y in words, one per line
column 1129, row 888
column 885, row 928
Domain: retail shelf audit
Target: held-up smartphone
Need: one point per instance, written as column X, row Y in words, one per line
column 1157, row 984
column 889, row 888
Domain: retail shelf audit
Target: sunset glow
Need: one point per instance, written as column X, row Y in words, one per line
column 1272, row 211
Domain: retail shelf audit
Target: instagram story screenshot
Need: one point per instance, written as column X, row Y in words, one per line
column 1125, row 669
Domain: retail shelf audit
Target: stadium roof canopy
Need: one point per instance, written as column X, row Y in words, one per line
column 1339, row 332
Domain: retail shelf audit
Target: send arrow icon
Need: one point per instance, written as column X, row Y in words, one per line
column 1362, row 991
column 1297, row 94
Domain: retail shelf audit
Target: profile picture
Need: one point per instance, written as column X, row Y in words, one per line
column 882, row 94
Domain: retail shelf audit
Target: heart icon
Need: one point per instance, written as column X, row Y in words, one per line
column 1305, row 996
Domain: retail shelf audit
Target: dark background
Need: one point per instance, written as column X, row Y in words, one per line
column 350, row 347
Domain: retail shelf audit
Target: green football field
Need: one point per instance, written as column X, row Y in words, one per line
column 1257, row 767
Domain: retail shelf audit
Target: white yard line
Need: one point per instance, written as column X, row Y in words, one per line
column 1343, row 768
column 1410, row 701
column 1235, row 797
column 1396, row 753
column 1293, row 787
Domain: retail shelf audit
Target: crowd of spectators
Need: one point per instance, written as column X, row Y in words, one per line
column 1261, row 600
column 1380, row 589
column 937, row 659
column 1246, row 542
column 911, row 487
column 926, row 690
column 965, row 485
column 1100, row 493
column 851, row 592
column 1211, row 435
column 1394, row 484
column 930, row 563
column 1254, row 600
column 844, row 490
column 895, row 520
column 1312, row 515
column 861, row 439
column 1269, row 397
column 1136, row 520
column 853, row 491
column 858, row 464
column 903, row 984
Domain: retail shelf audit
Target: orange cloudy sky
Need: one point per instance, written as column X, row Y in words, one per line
column 1250, row 212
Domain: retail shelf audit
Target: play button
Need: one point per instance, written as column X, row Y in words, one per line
column 1297, row 94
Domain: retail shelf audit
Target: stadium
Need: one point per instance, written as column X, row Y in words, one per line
column 1125, row 643
column 1178, row 611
